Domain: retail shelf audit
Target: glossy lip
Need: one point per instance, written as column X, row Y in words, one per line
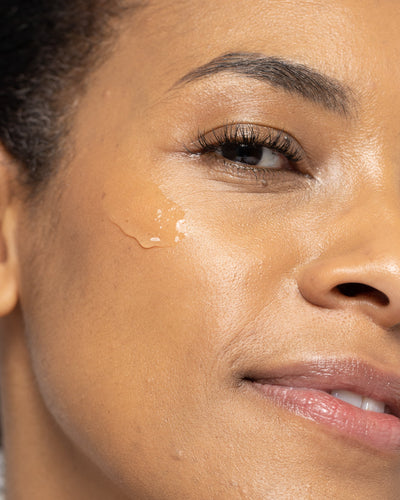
column 303, row 389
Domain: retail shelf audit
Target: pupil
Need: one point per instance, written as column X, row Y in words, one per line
column 242, row 153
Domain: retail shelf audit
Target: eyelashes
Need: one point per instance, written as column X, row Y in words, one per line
column 248, row 150
column 249, row 136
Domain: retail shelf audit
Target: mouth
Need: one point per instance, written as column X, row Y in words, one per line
column 347, row 397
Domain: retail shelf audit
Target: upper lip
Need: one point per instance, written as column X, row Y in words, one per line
column 329, row 374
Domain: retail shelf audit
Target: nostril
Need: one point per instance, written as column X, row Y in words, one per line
column 362, row 291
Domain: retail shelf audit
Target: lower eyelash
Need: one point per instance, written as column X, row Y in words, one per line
column 259, row 174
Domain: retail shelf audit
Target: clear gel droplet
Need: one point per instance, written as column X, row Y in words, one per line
column 142, row 211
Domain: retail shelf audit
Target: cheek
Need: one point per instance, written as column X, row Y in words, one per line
column 120, row 335
column 132, row 347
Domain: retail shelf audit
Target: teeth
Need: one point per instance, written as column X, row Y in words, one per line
column 364, row 403
column 349, row 397
column 372, row 405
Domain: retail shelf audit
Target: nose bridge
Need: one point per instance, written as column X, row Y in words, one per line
column 359, row 269
column 371, row 224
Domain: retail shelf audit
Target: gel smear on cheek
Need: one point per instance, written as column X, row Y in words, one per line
column 141, row 211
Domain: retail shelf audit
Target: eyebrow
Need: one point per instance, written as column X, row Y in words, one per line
column 292, row 77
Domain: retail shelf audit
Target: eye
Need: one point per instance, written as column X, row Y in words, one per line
column 254, row 156
column 251, row 154
column 250, row 145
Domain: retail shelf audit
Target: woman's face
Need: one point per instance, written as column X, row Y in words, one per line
column 223, row 250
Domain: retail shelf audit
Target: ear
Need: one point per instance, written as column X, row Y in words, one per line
column 8, row 247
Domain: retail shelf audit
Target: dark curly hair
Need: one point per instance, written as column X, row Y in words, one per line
column 46, row 47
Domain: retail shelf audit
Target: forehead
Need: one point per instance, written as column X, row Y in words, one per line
column 354, row 41
column 306, row 28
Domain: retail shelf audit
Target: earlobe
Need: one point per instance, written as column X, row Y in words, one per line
column 8, row 253
column 8, row 267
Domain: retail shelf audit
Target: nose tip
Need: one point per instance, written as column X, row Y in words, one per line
column 352, row 282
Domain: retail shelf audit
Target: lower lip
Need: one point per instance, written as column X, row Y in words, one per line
column 377, row 430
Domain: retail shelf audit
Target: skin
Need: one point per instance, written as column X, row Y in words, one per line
column 121, row 365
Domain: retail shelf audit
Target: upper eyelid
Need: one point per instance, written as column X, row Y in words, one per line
column 240, row 126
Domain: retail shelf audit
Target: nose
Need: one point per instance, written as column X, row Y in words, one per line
column 365, row 279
